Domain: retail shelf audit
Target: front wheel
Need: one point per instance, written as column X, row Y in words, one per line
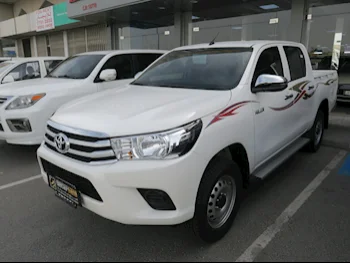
column 316, row 133
column 218, row 200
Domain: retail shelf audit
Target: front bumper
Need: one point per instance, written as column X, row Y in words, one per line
column 37, row 120
column 342, row 96
column 117, row 184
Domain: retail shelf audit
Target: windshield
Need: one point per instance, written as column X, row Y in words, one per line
column 210, row 69
column 4, row 66
column 78, row 67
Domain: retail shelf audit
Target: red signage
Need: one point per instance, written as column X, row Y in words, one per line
column 89, row 7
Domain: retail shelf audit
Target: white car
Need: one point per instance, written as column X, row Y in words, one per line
column 182, row 140
column 26, row 106
column 20, row 69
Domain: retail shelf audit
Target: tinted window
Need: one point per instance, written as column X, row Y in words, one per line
column 25, row 71
column 122, row 64
column 269, row 63
column 78, row 67
column 51, row 64
column 144, row 60
column 210, row 69
column 296, row 61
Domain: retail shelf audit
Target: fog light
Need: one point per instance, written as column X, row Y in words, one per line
column 19, row 125
column 157, row 199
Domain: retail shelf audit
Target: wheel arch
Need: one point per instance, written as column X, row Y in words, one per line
column 324, row 106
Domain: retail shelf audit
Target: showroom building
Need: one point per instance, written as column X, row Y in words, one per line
column 322, row 25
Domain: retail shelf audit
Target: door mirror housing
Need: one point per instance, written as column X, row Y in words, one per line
column 108, row 75
column 138, row 74
column 8, row 79
column 270, row 83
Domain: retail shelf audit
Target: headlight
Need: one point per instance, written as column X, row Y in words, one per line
column 157, row 146
column 23, row 102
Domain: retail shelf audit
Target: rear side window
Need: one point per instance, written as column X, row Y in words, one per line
column 296, row 62
column 144, row 60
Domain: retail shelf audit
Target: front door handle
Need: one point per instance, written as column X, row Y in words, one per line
column 288, row 97
column 311, row 87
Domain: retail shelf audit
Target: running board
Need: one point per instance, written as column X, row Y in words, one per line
column 280, row 158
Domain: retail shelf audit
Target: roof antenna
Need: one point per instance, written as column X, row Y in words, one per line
column 213, row 41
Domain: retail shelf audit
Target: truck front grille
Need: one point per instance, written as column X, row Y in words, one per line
column 82, row 145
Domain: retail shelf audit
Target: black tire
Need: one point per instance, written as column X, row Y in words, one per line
column 218, row 168
column 315, row 141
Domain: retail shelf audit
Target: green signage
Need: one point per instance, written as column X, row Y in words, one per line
column 60, row 15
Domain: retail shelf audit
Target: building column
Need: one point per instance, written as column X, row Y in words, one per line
column 34, row 47
column 298, row 20
column 1, row 50
column 65, row 43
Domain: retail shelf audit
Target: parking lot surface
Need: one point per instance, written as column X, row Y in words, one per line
column 35, row 225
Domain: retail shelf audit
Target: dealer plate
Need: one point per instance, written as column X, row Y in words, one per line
column 65, row 191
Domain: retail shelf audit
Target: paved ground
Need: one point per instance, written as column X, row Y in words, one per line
column 35, row 225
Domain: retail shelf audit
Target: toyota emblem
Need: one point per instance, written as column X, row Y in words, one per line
column 62, row 143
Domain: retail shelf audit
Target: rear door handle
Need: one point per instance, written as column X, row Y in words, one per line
column 288, row 97
column 311, row 87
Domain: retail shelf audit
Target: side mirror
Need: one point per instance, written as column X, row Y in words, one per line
column 8, row 79
column 270, row 83
column 108, row 75
column 138, row 74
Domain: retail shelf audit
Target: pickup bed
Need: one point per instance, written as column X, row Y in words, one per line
column 183, row 139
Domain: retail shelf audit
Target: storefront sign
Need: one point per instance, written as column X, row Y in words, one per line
column 44, row 19
column 60, row 15
column 77, row 8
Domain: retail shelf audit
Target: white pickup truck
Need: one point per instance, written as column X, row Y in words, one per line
column 180, row 142
column 26, row 106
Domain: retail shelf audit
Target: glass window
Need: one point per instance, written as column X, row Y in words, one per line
column 77, row 67
column 269, row 63
column 122, row 64
column 25, row 71
column 144, row 60
column 208, row 69
column 296, row 62
column 51, row 64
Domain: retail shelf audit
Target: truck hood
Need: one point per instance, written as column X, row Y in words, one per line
column 34, row 86
column 133, row 110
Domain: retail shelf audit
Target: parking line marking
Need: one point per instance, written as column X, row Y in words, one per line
column 10, row 185
column 265, row 238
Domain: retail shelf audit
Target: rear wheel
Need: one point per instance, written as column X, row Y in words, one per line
column 218, row 200
column 316, row 133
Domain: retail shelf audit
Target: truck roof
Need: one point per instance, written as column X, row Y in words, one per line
column 232, row 44
column 117, row 52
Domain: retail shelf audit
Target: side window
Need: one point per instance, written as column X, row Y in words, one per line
column 25, row 71
column 122, row 64
column 144, row 60
column 51, row 64
column 296, row 62
column 269, row 63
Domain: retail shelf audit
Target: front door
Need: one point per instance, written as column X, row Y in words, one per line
column 123, row 64
column 273, row 111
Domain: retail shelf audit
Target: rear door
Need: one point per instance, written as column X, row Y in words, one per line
column 302, row 86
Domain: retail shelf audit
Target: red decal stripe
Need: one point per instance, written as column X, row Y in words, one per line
column 230, row 111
